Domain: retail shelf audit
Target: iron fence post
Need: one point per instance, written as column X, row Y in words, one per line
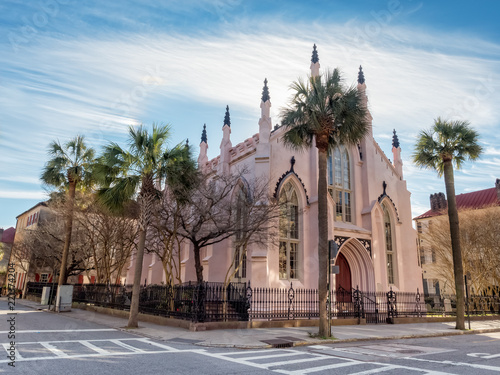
column 391, row 306
column 291, row 296
column 418, row 308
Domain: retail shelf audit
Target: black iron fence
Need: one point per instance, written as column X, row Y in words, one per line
column 209, row 302
column 204, row 302
column 375, row 307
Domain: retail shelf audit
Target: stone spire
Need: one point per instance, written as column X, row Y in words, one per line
column 225, row 145
column 203, row 157
column 364, row 98
column 265, row 125
column 263, row 147
column 396, row 153
column 361, row 76
column 314, row 63
column 227, row 119
column 265, row 92
column 204, row 134
column 314, row 57
column 395, row 140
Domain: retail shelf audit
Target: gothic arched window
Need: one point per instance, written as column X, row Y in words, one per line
column 289, row 232
column 389, row 247
column 339, row 183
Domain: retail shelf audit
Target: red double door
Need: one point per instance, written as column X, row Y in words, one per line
column 343, row 278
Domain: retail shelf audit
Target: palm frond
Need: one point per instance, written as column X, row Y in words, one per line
column 121, row 191
column 324, row 107
column 446, row 140
column 68, row 162
column 126, row 174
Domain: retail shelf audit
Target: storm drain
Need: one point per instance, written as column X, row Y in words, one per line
column 279, row 343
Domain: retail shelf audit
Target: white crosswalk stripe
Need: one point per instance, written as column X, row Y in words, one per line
column 286, row 366
column 42, row 350
column 244, row 359
column 53, row 349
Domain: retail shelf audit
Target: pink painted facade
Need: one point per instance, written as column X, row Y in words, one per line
column 369, row 213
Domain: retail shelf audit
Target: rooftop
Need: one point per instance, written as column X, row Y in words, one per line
column 473, row 200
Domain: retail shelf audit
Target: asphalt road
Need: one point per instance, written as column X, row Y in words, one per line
column 47, row 343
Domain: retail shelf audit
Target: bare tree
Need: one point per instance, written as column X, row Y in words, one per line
column 479, row 238
column 164, row 239
column 219, row 208
column 110, row 239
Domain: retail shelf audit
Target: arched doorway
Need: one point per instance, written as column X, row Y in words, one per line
column 343, row 280
column 359, row 264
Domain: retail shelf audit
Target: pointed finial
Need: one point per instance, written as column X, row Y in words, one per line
column 265, row 92
column 361, row 76
column 395, row 140
column 314, row 58
column 204, row 134
column 227, row 120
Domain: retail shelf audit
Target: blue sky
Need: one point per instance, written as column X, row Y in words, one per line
column 69, row 67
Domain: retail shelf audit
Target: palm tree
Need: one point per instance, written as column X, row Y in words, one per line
column 136, row 174
column 70, row 168
column 324, row 111
column 446, row 144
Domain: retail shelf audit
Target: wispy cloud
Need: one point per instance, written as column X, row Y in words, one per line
column 21, row 179
column 97, row 86
column 16, row 194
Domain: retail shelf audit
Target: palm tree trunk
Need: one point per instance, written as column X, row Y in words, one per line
column 63, row 276
column 145, row 201
column 324, row 330
column 455, row 243
column 136, row 288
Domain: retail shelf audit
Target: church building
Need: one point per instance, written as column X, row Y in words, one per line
column 368, row 204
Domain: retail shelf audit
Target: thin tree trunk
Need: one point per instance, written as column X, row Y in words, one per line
column 68, row 229
column 197, row 264
column 455, row 243
column 322, row 244
column 136, row 288
column 25, row 286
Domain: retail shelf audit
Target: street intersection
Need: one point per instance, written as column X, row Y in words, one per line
column 56, row 343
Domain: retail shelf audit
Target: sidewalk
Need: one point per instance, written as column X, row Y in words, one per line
column 266, row 337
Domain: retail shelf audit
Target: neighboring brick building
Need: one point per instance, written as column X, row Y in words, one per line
column 7, row 239
column 475, row 200
column 28, row 220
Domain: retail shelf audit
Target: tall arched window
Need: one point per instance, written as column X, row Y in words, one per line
column 339, row 183
column 389, row 247
column 240, row 255
column 289, row 232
